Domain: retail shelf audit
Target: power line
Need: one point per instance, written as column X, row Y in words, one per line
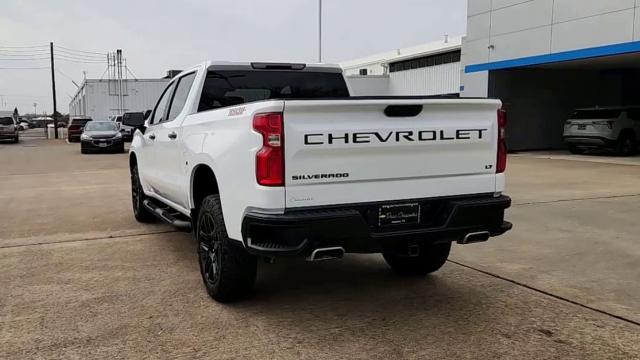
column 104, row 58
column 25, row 59
column 71, row 54
column 79, row 61
column 24, row 55
column 23, row 68
column 68, row 77
column 23, row 47
column 24, row 52
column 82, row 51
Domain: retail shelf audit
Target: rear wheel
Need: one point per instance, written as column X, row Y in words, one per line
column 137, row 198
column 430, row 258
column 627, row 144
column 575, row 150
column 228, row 270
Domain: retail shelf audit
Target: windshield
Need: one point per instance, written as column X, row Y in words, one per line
column 101, row 126
column 6, row 121
column 80, row 122
column 234, row 87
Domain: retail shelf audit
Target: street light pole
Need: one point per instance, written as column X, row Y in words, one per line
column 319, row 31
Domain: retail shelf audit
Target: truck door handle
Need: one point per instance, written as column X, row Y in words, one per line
column 172, row 135
column 152, row 137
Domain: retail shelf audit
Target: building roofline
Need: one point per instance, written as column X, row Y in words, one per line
column 431, row 48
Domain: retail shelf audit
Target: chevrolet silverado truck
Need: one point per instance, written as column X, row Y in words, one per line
column 266, row 160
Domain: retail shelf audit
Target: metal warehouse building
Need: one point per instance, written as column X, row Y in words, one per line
column 545, row 58
column 101, row 98
column 429, row 69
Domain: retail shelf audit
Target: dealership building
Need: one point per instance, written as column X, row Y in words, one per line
column 428, row 69
column 545, row 58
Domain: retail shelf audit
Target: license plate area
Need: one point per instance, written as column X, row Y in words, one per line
column 102, row 144
column 398, row 214
column 582, row 127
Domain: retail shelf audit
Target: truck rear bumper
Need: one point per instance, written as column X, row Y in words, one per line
column 356, row 228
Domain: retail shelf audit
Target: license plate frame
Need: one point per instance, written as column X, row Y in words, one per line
column 102, row 144
column 582, row 127
column 399, row 214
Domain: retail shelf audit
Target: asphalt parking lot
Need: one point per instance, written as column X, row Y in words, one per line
column 81, row 279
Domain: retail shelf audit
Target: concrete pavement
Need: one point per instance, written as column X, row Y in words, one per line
column 82, row 279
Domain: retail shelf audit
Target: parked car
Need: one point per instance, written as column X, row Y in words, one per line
column 101, row 136
column 76, row 127
column 603, row 128
column 9, row 129
column 269, row 160
column 127, row 131
column 23, row 125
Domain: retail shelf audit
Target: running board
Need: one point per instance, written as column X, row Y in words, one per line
column 168, row 215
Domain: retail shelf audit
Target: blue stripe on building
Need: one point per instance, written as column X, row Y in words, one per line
column 600, row 51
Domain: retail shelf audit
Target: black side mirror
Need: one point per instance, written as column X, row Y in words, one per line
column 147, row 114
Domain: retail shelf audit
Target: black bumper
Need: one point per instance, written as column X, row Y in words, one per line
column 356, row 229
column 111, row 145
column 8, row 136
column 590, row 141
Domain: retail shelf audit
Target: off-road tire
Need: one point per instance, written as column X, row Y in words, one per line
column 627, row 144
column 430, row 259
column 138, row 197
column 228, row 270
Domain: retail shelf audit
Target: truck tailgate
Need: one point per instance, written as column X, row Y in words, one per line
column 355, row 151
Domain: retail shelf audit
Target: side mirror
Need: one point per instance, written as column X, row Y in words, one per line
column 147, row 114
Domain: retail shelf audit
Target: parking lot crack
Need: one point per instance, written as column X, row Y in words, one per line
column 576, row 199
column 94, row 238
column 546, row 293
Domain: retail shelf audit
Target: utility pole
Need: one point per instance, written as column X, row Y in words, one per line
column 119, row 73
column 319, row 31
column 53, row 87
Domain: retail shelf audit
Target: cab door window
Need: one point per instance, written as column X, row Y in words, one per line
column 180, row 96
column 160, row 109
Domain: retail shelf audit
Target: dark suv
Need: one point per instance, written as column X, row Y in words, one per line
column 9, row 129
column 76, row 126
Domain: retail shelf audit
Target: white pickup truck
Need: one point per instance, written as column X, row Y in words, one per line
column 262, row 160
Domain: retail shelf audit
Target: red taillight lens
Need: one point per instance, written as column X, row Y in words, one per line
column 270, row 159
column 501, row 164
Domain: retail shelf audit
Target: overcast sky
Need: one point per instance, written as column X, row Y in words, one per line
column 161, row 34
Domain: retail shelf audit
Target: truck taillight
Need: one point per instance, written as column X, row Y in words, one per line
column 270, row 159
column 501, row 164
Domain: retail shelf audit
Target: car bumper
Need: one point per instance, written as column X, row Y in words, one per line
column 8, row 136
column 95, row 145
column 589, row 141
column 356, row 229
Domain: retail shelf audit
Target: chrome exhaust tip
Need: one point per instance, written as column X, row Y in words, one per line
column 475, row 237
column 326, row 254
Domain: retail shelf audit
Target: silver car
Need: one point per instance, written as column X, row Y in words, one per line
column 9, row 129
column 603, row 128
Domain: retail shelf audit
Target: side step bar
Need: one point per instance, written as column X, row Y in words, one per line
column 168, row 215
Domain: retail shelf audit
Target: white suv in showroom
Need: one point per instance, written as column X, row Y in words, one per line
column 603, row 128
